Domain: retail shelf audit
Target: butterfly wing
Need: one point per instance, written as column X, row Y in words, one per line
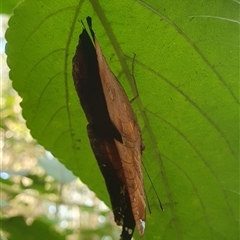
column 130, row 149
column 102, row 132
column 109, row 162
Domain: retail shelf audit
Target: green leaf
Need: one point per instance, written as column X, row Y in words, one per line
column 7, row 6
column 18, row 229
column 186, row 71
column 39, row 184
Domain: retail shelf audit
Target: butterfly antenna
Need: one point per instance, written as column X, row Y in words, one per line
column 134, row 80
column 159, row 201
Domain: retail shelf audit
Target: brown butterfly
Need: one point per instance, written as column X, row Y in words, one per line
column 114, row 133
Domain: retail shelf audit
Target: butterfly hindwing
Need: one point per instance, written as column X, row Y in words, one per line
column 105, row 152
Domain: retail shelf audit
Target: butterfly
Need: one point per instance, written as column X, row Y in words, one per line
column 113, row 131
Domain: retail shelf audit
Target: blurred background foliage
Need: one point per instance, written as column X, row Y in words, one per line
column 39, row 196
